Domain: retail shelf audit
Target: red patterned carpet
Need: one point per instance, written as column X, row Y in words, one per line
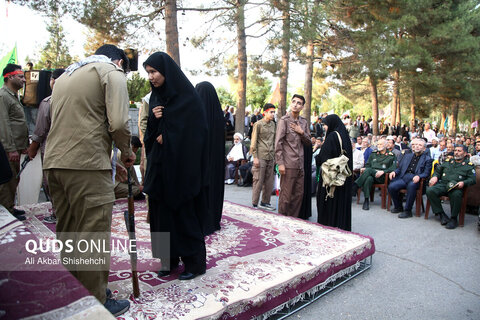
column 257, row 263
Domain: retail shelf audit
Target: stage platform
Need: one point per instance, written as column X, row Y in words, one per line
column 259, row 265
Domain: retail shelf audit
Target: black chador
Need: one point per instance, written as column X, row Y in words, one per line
column 176, row 178
column 216, row 155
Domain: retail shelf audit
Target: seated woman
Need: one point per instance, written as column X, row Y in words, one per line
column 237, row 152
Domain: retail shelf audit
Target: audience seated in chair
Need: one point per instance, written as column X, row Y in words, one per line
column 413, row 167
column 236, row 154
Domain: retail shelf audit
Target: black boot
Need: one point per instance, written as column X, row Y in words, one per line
column 366, row 204
column 405, row 214
column 443, row 218
column 452, row 224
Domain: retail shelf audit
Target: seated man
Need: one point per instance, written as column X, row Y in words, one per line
column 237, row 152
column 379, row 163
column 121, row 176
column 449, row 179
column 413, row 167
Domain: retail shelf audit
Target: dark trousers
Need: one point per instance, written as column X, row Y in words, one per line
column 440, row 189
column 404, row 182
column 367, row 180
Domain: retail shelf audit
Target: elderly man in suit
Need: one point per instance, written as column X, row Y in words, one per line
column 413, row 167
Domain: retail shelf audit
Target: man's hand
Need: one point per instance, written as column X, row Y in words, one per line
column 129, row 161
column 230, row 158
column 256, row 163
column 13, row 156
column 379, row 173
column 460, row 185
column 32, row 150
column 416, row 179
column 158, row 111
column 296, row 127
column 392, row 175
column 160, row 139
column 362, row 170
column 122, row 173
column 281, row 169
column 433, row 181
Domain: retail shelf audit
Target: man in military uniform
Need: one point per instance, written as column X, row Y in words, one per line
column 13, row 132
column 449, row 179
column 379, row 163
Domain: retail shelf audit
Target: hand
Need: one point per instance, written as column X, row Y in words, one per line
column 129, row 161
column 281, row 169
column 230, row 158
column 32, row 150
column 416, row 179
column 433, row 181
column 392, row 175
column 296, row 128
column 362, row 170
column 460, row 185
column 160, row 139
column 256, row 162
column 122, row 173
column 13, row 156
column 379, row 173
column 158, row 111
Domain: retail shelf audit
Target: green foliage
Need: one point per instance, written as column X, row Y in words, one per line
column 258, row 90
column 138, row 87
column 56, row 50
column 225, row 97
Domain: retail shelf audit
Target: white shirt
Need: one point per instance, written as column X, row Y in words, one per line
column 358, row 159
column 429, row 135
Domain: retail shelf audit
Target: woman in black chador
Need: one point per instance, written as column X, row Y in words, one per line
column 176, row 177
column 216, row 155
column 336, row 211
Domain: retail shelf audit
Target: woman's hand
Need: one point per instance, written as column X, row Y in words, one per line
column 158, row 112
column 160, row 139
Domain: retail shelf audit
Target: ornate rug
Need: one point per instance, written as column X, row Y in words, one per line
column 256, row 264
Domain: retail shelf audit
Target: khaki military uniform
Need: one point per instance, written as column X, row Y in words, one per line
column 448, row 174
column 376, row 162
column 14, row 137
column 263, row 149
column 89, row 110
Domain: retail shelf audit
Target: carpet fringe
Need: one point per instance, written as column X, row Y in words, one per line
column 310, row 292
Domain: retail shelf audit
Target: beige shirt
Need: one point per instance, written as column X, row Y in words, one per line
column 13, row 125
column 263, row 140
column 289, row 144
column 89, row 111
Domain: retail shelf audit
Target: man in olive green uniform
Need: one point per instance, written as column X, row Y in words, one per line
column 449, row 179
column 89, row 109
column 379, row 163
column 13, row 132
column 262, row 150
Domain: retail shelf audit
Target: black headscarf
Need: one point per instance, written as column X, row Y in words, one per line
column 216, row 154
column 176, row 169
column 334, row 123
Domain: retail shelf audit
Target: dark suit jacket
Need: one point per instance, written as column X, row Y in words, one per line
column 423, row 169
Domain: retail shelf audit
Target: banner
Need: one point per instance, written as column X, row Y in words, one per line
column 445, row 124
column 11, row 57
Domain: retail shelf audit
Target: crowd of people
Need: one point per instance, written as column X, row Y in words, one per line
column 185, row 166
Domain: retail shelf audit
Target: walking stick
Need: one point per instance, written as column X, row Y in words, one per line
column 130, row 222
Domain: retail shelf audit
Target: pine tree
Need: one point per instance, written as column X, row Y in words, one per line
column 56, row 50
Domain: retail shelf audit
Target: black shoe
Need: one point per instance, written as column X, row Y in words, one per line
column 17, row 212
column 188, row 275
column 255, row 206
column 396, row 210
column 108, row 293
column 247, row 185
column 266, row 206
column 452, row 224
column 163, row 273
column 20, row 218
column 366, row 204
column 139, row 196
column 117, row 307
column 443, row 219
column 240, row 184
column 405, row 214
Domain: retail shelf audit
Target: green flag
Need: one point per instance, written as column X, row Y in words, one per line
column 11, row 57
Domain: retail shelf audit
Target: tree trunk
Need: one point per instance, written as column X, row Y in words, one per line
column 412, row 107
column 399, row 114
column 444, row 117
column 285, row 57
column 472, row 120
column 242, row 67
column 171, row 30
column 396, row 93
column 308, row 81
column 453, row 128
column 373, row 91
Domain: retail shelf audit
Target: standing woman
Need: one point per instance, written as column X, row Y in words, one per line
column 176, row 177
column 336, row 211
column 216, row 155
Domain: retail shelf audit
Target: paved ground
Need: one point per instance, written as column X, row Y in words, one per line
column 420, row 269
